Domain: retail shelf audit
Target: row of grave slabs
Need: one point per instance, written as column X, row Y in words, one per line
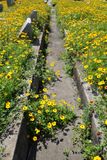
column 87, row 95
column 14, row 141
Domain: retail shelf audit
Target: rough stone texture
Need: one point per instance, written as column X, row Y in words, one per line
column 66, row 89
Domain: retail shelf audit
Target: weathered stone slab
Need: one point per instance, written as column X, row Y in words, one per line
column 87, row 96
column 1, row 8
column 10, row 2
column 26, row 28
column 33, row 15
column 15, row 142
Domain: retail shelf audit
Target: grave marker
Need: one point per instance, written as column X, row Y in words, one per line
column 1, row 8
column 33, row 15
column 26, row 28
column 10, row 2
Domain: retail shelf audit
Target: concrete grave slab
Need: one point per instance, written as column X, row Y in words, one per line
column 26, row 28
column 33, row 15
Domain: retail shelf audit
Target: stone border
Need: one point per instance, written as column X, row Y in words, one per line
column 87, row 96
column 15, row 140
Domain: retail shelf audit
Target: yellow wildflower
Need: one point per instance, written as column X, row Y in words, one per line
column 55, row 110
column 105, row 122
column 97, row 158
column 54, row 123
column 34, row 138
column 82, row 126
column 32, row 119
column 37, row 131
column 25, row 108
column 62, row 117
column 49, row 125
column 7, row 105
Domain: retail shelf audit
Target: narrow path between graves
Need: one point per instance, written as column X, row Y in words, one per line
column 65, row 88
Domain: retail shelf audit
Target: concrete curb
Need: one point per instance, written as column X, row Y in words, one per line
column 87, row 96
column 15, row 140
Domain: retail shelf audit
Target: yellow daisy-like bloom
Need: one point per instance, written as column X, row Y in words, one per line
column 49, row 103
column 32, row 119
column 42, row 102
column 97, row 158
column 39, row 111
column 25, row 108
column 27, row 94
column 54, row 123
column 30, row 81
column 45, row 90
column 37, row 131
column 36, row 96
column 34, row 138
column 105, row 122
column 54, row 110
column 49, row 78
column 49, row 125
column 7, row 105
column 30, row 114
column 45, row 97
column 82, row 126
column 86, row 66
column 47, row 110
column 62, row 117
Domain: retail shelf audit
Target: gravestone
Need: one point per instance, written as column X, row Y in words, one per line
column 1, row 8
column 26, row 28
column 33, row 15
column 10, row 2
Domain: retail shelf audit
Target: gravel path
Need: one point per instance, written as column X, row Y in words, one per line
column 65, row 88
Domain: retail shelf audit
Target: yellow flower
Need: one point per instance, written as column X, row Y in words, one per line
column 52, row 64
column 49, row 103
column 90, row 77
column 36, row 96
column 78, row 99
column 105, row 122
column 101, row 83
column 30, row 114
column 7, row 105
column 42, row 102
column 55, row 110
column 82, row 126
column 45, row 90
column 27, row 94
column 49, row 125
column 32, row 119
column 58, row 73
column 97, row 158
column 49, row 78
column 39, row 111
column 62, row 117
column 47, row 110
column 86, row 66
column 34, row 138
column 54, row 123
column 45, row 97
column 37, row 131
column 30, row 81
column 25, row 108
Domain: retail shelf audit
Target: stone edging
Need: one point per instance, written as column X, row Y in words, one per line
column 15, row 139
column 87, row 96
